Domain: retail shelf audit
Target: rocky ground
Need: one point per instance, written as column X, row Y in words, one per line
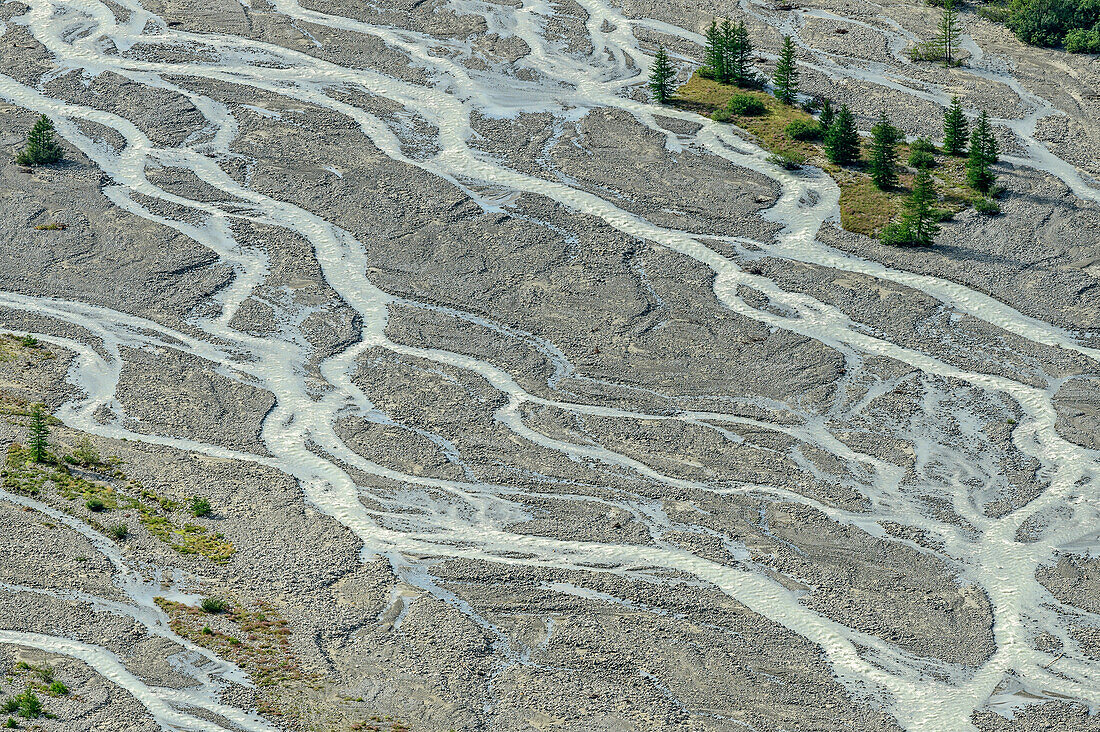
column 514, row 401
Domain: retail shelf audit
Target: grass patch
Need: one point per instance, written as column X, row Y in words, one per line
column 13, row 346
column 255, row 637
column 706, row 96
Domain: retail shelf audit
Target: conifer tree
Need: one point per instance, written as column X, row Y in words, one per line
column 842, row 139
column 884, row 153
column 739, row 53
column 827, row 114
column 661, row 75
column 729, row 50
column 946, row 40
column 727, row 54
column 982, row 156
column 918, row 224
column 954, row 129
column 919, row 219
column 786, row 73
column 37, row 435
column 714, row 56
column 42, row 148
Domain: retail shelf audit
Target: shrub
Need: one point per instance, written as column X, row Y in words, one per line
column 207, row 630
column 925, row 51
column 746, row 105
column 802, row 129
column 28, row 341
column 1080, row 40
column 10, row 704
column 995, row 12
column 11, row 724
column 85, row 453
column 921, row 159
column 213, row 605
column 58, row 689
column 95, row 504
column 200, row 506
column 791, row 160
column 30, row 706
column 119, row 531
column 1047, row 22
column 721, row 115
column 987, row 206
column 923, row 144
column 896, row 235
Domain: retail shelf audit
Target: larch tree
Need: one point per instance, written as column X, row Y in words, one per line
column 714, row 56
column 661, row 75
column 786, row 73
column 946, row 40
column 740, row 53
column 729, row 50
column 954, row 129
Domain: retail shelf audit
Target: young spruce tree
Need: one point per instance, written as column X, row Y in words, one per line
column 661, row 75
column 38, row 434
column 842, row 139
column 42, row 148
column 786, row 73
column 954, row 129
column 884, row 153
column 827, row 115
column 918, row 224
column 946, row 40
column 982, row 156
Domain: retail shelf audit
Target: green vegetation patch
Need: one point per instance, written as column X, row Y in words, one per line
column 13, row 346
column 785, row 131
column 706, row 97
column 25, row 477
column 254, row 637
